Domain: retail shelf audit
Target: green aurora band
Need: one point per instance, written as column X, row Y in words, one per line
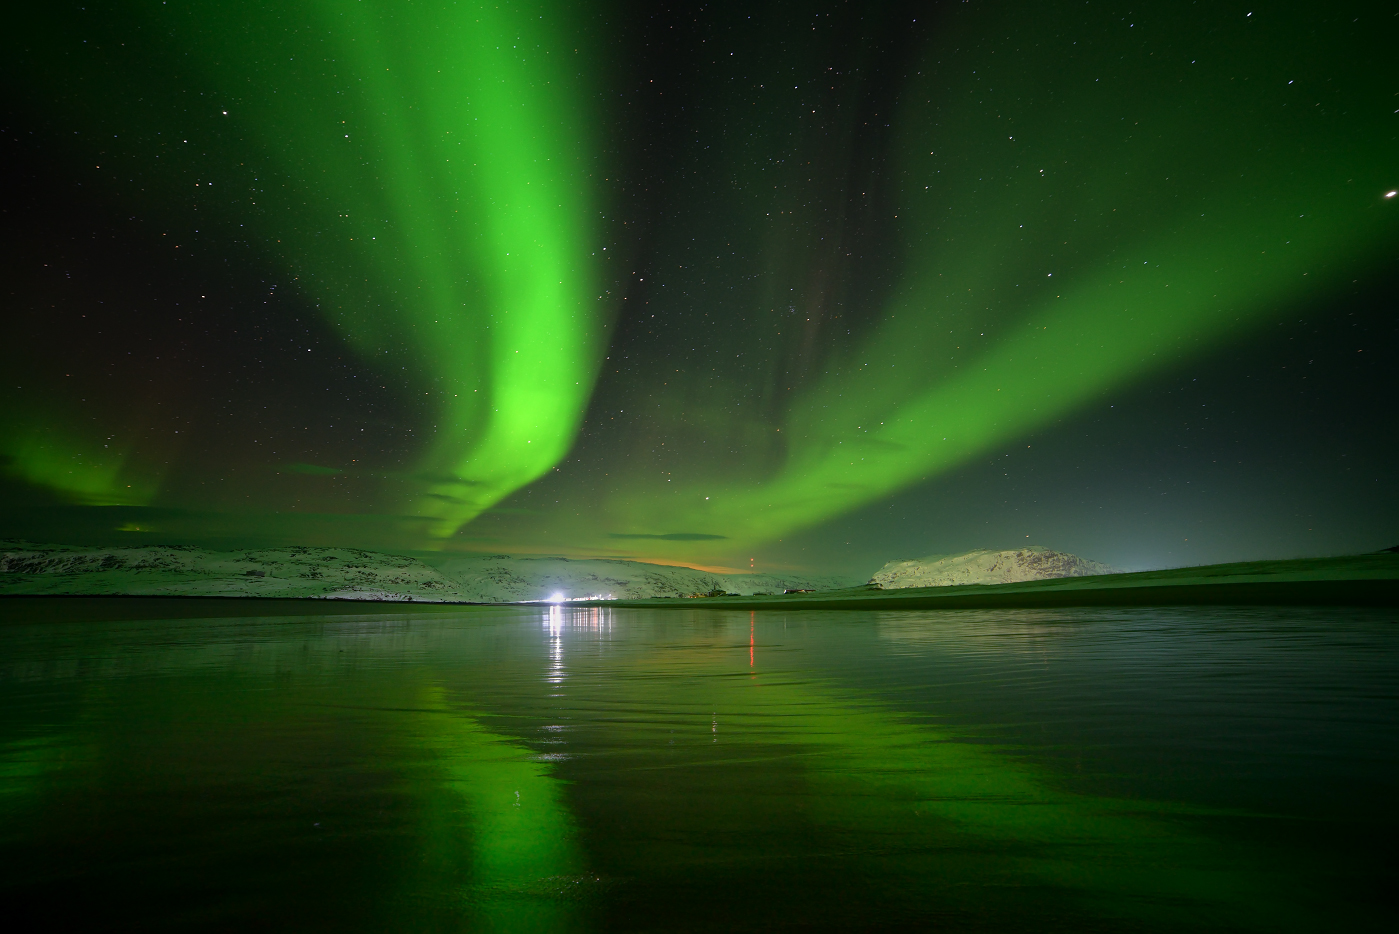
column 1073, row 213
column 1073, row 205
column 428, row 192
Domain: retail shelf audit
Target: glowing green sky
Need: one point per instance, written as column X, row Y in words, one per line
column 1038, row 275
column 422, row 180
column 777, row 266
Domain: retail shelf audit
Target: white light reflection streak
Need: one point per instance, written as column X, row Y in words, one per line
column 591, row 619
column 554, row 622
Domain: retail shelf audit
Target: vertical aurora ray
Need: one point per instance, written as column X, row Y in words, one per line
column 499, row 258
column 1077, row 207
column 420, row 171
column 857, row 262
column 475, row 202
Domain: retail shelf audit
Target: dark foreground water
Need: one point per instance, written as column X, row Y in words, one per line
column 554, row 770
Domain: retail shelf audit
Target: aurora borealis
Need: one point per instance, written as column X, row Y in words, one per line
column 473, row 272
column 806, row 283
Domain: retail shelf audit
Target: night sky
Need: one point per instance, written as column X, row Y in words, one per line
column 807, row 285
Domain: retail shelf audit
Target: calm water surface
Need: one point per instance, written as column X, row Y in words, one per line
column 520, row 769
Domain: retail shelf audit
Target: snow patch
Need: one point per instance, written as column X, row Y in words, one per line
column 986, row 567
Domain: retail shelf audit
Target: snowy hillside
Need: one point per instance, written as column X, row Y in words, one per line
column 502, row 578
column 333, row 573
column 352, row 574
column 986, row 567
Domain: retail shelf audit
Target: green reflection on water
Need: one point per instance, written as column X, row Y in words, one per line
column 878, row 779
column 497, row 818
column 249, row 746
column 25, row 765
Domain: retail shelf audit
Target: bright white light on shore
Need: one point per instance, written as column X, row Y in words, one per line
column 557, row 598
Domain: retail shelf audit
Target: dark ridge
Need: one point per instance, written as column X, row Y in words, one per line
column 1359, row 580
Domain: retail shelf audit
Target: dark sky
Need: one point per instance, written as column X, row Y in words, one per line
column 788, row 285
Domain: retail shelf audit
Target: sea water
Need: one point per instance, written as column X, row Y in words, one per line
column 237, row 766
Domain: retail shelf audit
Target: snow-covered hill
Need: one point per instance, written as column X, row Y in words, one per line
column 353, row 574
column 986, row 567
column 333, row 573
column 501, row 578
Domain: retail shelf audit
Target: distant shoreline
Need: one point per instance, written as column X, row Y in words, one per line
column 1357, row 580
column 1000, row 596
column 1360, row 580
